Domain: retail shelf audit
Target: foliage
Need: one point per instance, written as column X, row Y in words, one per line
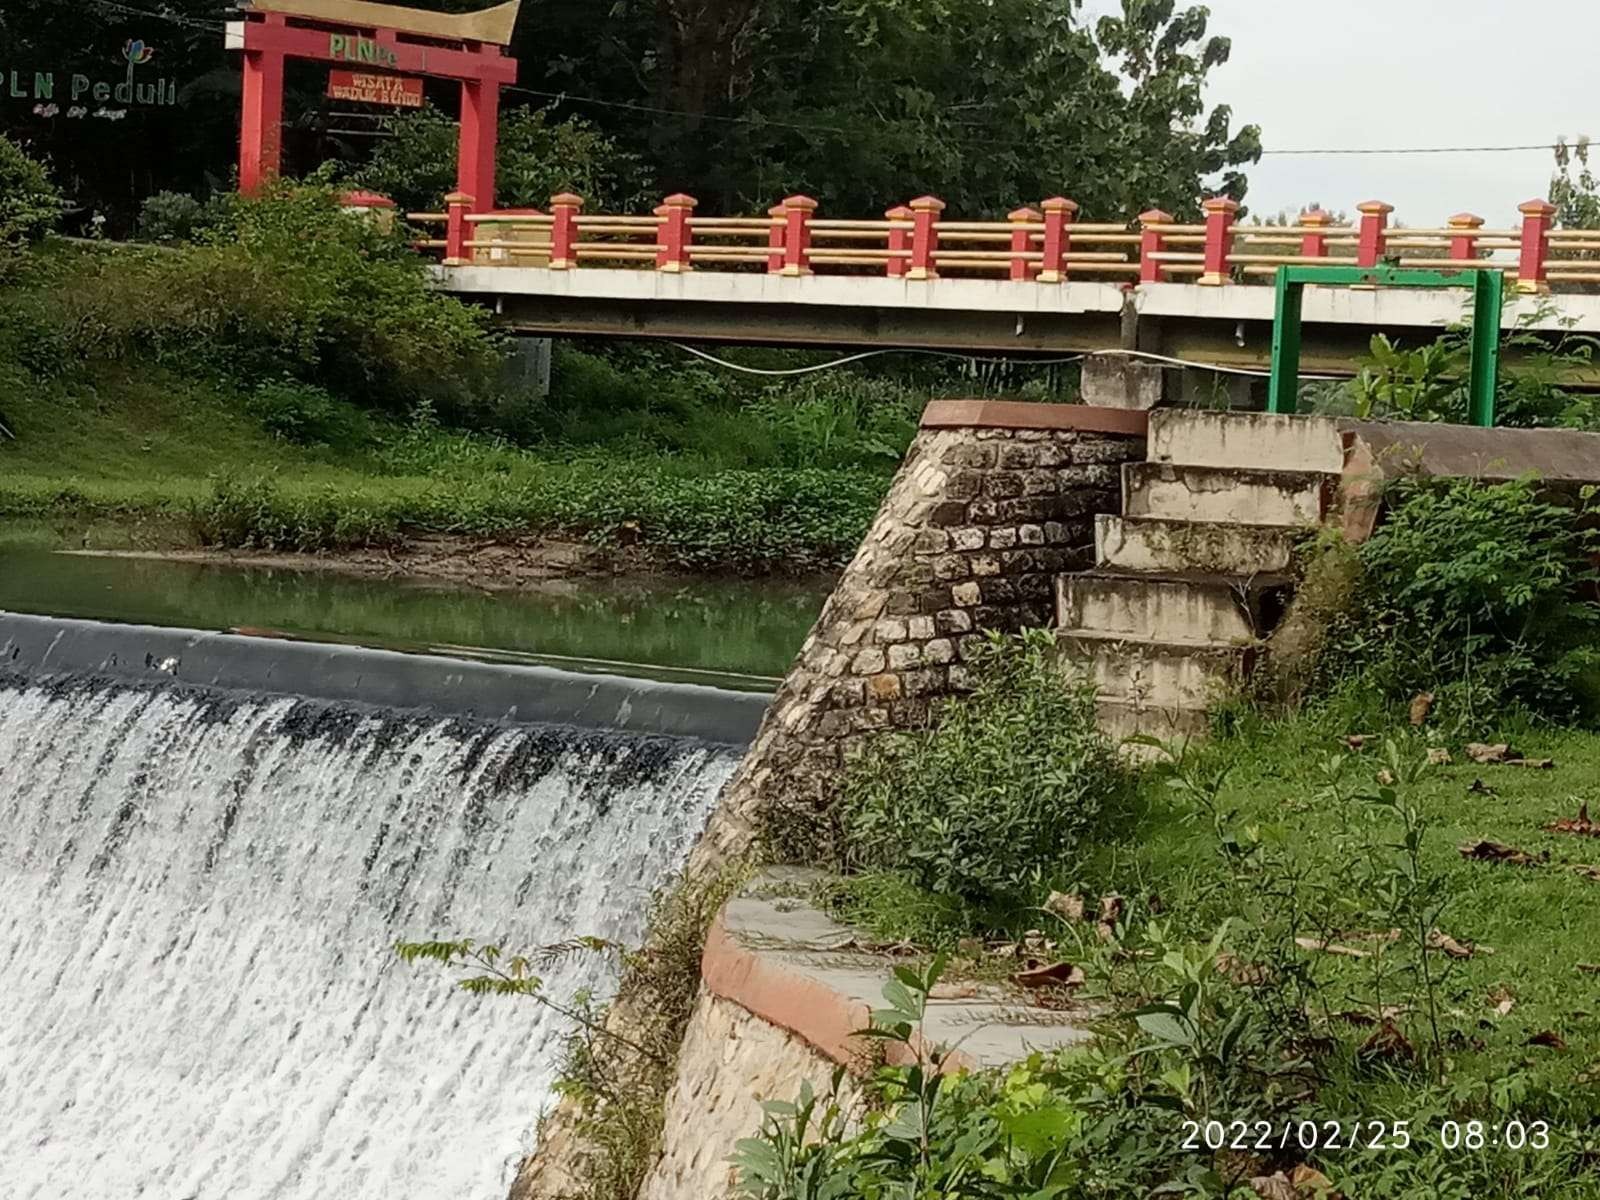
column 537, row 157
column 170, row 217
column 867, row 103
column 1573, row 188
column 994, row 797
column 306, row 414
column 29, row 203
column 1475, row 592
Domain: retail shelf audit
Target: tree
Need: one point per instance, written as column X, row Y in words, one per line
column 1574, row 192
column 536, row 158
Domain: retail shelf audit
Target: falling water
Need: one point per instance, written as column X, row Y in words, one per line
column 198, row 900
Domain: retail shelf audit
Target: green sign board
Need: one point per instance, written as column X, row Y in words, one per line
column 76, row 94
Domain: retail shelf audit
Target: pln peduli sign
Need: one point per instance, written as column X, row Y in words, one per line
column 50, row 90
column 395, row 91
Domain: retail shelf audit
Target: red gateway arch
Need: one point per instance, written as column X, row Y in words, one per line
column 379, row 39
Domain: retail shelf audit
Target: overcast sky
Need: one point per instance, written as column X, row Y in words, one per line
column 1318, row 74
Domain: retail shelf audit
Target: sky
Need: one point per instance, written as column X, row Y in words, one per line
column 1340, row 74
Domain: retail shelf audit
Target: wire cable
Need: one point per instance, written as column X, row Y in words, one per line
column 1147, row 355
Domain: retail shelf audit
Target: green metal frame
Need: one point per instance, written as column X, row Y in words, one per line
column 1488, row 289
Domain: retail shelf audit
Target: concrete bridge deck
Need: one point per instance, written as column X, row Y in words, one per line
column 1228, row 325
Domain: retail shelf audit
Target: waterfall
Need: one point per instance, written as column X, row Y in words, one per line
column 199, row 895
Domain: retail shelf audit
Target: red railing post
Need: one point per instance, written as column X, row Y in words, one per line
column 673, row 234
column 899, row 240
column 1220, row 213
column 1151, row 243
column 925, row 212
column 1022, row 268
column 797, row 212
column 1314, row 243
column 564, row 232
column 1374, row 230
column 1058, row 215
column 456, row 206
column 1464, row 236
column 1537, row 216
column 778, row 217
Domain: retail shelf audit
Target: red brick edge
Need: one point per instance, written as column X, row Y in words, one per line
column 1023, row 414
column 794, row 1000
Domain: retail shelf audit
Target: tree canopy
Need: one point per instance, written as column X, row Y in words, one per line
column 863, row 104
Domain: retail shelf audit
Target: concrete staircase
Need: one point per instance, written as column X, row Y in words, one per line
column 1193, row 574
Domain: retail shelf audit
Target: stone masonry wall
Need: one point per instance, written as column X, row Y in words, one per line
column 992, row 502
column 730, row 1062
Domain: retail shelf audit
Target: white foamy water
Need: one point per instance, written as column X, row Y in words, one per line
column 198, row 900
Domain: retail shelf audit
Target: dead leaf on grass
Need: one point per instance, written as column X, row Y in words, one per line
column 1502, row 1001
column 1357, row 741
column 1310, row 943
column 1587, row 871
column 1245, row 974
column 1589, row 968
column 1273, row 1187
column 1439, row 757
column 1548, row 1038
column 1580, row 825
column 1388, row 1042
column 1421, row 705
column 1312, row 1183
column 1048, row 975
column 1110, row 913
column 1500, row 852
column 1386, row 778
column 1482, row 752
column 1069, row 907
column 1440, row 940
column 1533, row 764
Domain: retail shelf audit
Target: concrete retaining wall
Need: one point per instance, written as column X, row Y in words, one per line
column 45, row 647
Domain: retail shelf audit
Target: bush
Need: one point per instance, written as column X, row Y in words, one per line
column 306, row 415
column 537, row 158
column 995, row 797
column 29, row 202
column 169, row 217
column 1476, row 592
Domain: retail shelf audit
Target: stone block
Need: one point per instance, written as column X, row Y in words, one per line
column 965, row 595
column 953, row 620
column 951, row 512
column 902, row 604
column 1112, row 381
column 1039, row 483
column 904, row 657
column 919, row 628
column 868, row 662
column 983, row 565
column 1002, row 539
column 982, row 512
column 939, row 651
column 890, row 629
column 847, row 694
column 931, row 541
column 950, row 567
column 883, row 688
column 1002, row 485
column 928, row 682
column 967, row 538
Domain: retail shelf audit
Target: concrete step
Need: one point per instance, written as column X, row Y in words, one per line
column 1164, row 675
column 1119, row 721
column 1191, row 610
column 1150, row 544
column 1223, row 495
column 1247, row 441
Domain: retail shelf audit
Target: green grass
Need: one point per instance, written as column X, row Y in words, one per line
column 151, row 446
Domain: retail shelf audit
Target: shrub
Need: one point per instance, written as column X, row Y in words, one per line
column 305, row 414
column 29, row 202
column 1477, row 590
column 997, row 794
column 169, row 217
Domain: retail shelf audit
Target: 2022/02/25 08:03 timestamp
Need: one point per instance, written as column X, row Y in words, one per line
column 1511, row 1134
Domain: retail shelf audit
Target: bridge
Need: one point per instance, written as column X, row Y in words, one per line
column 1039, row 282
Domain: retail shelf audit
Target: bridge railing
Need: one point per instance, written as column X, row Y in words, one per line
column 1045, row 245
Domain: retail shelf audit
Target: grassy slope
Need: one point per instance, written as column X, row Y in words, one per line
column 141, row 443
column 1541, row 922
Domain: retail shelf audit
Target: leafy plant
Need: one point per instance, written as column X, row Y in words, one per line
column 305, row 414
column 170, row 217
column 1474, row 591
column 29, row 202
column 994, row 798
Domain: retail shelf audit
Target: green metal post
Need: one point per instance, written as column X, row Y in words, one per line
column 1485, row 371
column 1283, row 391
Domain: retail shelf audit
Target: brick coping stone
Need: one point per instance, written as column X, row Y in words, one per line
column 1024, row 414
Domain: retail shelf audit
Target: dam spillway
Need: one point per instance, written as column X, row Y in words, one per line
column 200, row 889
